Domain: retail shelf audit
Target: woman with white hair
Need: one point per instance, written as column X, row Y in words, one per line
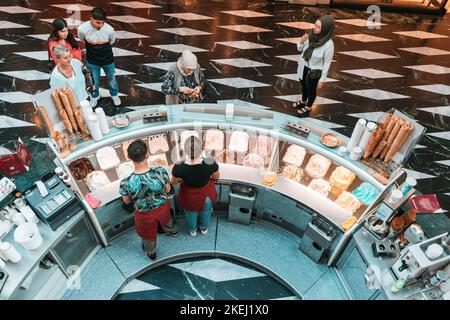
column 68, row 72
column 184, row 80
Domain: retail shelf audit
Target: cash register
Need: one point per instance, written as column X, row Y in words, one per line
column 53, row 201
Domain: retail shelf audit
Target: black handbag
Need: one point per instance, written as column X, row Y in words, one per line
column 315, row 74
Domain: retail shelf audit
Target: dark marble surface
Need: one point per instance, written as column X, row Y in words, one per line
column 170, row 282
column 423, row 160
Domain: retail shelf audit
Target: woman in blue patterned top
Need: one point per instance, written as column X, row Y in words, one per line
column 184, row 81
column 147, row 188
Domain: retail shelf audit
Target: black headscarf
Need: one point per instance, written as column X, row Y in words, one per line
column 318, row 40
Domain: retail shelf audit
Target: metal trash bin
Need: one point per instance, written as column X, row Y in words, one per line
column 242, row 199
column 318, row 237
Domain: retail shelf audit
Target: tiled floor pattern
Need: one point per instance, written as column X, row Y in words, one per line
column 204, row 279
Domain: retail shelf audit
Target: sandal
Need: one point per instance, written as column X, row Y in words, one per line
column 304, row 111
column 298, row 103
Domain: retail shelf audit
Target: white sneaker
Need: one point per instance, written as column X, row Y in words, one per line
column 116, row 100
column 93, row 101
column 204, row 231
column 193, row 233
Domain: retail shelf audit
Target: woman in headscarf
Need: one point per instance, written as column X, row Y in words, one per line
column 184, row 80
column 318, row 49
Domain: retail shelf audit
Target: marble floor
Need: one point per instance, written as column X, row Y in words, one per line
column 232, row 261
column 205, row 279
column 248, row 52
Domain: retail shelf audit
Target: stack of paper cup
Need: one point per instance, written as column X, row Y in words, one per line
column 102, row 120
column 94, row 127
column 366, row 135
column 86, row 109
column 29, row 214
column 356, row 135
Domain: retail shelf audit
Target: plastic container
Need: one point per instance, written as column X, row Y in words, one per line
column 342, row 151
column 9, row 252
column 408, row 185
column 396, row 227
column 18, row 219
column 434, row 251
column 409, row 217
column 28, row 235
column 356, row 153
column 395, row 197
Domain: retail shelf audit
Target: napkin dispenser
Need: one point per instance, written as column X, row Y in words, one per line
column 297, row 128
column 155, row 117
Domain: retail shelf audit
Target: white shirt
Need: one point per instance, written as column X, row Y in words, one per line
column 320, row 59
column 76, row 82
column 86, row 32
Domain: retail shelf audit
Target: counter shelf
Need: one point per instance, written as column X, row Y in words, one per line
column 18, row 272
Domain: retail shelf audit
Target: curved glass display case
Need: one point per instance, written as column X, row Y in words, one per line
column 308, row 174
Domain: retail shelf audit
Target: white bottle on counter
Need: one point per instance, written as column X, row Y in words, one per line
column 94, row 128
column 356, row 135
column 10, row 252
column 102, row 120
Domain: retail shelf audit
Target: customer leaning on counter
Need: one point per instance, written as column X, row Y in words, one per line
column 197, row 191
column 147, row 188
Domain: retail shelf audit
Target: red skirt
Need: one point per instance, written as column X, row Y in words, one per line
column 193, row 199
column 147, row 222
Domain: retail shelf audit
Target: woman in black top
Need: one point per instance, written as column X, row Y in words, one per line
column 197, row 190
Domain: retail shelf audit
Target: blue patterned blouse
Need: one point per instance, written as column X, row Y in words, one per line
column 146, row 190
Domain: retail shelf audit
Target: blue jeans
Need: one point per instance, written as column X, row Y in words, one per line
column 110, row 72
column 203, row 218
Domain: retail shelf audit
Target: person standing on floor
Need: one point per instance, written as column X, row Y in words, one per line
column 147, row 188
column 318, row 50
column 68, row 72
column 184, row 81
column 62, row 35
column 197, row 191
column 99, row 37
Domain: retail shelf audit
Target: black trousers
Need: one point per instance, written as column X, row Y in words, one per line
column 309, row 88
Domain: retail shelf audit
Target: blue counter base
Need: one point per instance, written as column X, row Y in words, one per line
column 261, row 245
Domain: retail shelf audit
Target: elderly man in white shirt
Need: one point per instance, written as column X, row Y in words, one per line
column 318, row 50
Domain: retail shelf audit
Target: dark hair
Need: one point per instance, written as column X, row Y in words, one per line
column 137, row 151
column 193, row 147
column 98, row 14
column 58, row 24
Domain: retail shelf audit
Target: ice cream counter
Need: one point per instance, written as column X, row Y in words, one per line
column 297, row 180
